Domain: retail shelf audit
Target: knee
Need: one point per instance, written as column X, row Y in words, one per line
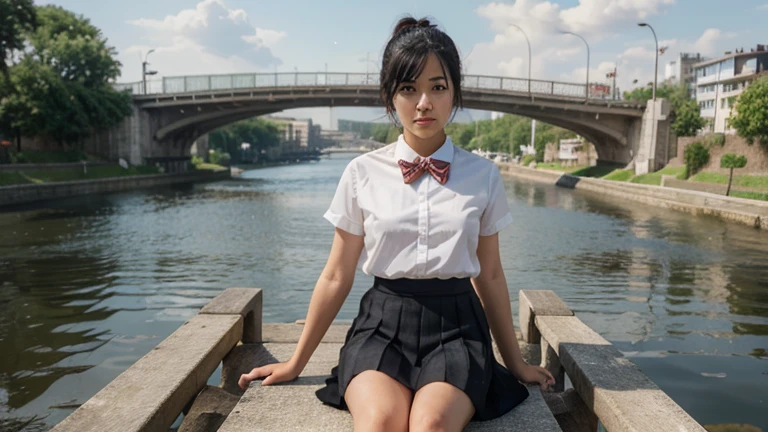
column 377, row 419
column 430, row 422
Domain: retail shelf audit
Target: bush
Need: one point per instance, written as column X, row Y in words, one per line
column 217, row 158
column 527, row 159
column 696, row 156
column 197, row 161
column 752, row 112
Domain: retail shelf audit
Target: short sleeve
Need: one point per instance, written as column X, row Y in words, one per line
column 496, row 215
column 344, row 212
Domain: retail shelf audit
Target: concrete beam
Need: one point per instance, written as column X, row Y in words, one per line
column 245, row 302
column 149, row 395
column 535, row 303
column 622, row 396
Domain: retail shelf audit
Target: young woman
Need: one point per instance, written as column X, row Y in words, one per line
column 422, row 216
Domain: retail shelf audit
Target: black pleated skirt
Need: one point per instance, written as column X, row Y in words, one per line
column 419, row 331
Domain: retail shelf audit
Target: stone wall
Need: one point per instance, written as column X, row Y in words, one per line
column 20, row 194
column 757, row 155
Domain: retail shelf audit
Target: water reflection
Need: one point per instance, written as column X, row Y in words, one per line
column 44, row 320
column 89, row 285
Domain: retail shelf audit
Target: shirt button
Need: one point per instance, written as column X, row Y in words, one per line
column 421, row 198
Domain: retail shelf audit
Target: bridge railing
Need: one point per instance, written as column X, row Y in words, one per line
column 204, row 83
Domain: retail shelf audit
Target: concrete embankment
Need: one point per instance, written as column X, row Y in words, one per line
column 749, row 212
column 27, row 193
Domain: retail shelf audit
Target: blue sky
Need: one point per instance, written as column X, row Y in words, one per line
column 193, row 37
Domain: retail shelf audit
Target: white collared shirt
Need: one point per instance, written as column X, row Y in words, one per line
column 423, row 229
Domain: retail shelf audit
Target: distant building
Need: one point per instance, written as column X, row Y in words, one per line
column 719, row 81
column 681, row 71
column 496, row 115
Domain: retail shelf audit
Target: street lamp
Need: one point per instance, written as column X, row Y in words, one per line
column 529, row 57
column 144, row 71
column 586, row 90
column 656, row 68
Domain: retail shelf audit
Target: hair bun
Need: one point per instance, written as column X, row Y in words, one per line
column 410, row 22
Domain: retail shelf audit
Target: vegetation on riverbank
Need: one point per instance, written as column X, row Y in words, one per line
column 72, row 174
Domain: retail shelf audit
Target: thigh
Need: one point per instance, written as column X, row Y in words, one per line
column 378, row 402
column 440, row 406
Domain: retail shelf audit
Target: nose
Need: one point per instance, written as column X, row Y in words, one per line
column 424, row 103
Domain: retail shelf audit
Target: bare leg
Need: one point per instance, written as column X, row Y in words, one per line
column 378, row 402
column 439, row 406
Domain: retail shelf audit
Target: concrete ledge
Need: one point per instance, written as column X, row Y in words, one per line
column 151, row 393
column 246, row 302
column 622, row 397
column 294, row 406
column 21, row 194
column 744, row 211
column 538, row 303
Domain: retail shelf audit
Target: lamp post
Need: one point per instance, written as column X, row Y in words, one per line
column 529, row 57
column 586, row 90
column 656, row 67
column 144, row 71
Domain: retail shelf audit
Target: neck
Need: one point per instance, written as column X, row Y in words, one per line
column 424, row 146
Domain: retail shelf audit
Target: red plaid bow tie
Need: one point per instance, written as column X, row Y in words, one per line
column 414, row 170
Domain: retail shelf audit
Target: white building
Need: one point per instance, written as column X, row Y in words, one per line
column 680, row 71
column 569, row 151
column 719, row 81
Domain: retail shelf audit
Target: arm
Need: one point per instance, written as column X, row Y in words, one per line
column 330, row 291
column 329, row 294
column 491, row 288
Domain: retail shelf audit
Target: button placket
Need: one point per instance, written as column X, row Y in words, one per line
column 421, row 248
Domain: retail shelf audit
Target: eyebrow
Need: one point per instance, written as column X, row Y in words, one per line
column 437, row 78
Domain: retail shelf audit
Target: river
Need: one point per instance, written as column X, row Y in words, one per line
column 88, row 285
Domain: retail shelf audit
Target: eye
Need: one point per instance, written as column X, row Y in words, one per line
column 407, row 88
column 440, row 87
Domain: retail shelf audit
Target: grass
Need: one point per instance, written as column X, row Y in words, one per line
column 558, row 167
column 210, row 167
column 594, row 171
column 53, row 156
column 59, row 175
column 647, row 179
column 750, row 195
column 620, row 175
column 752, row 181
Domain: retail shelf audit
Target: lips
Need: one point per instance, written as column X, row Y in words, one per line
column 423, row 121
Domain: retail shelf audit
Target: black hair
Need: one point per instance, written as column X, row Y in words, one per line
column 406, row 55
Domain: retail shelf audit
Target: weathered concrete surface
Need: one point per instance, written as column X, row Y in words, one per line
column 151, row 393
column 538, row 303
column 208, row 412
column 753, row 213
column 246, row 302
column 293, row 406
column 570, row 411
column 21, row 194
column 617, row 391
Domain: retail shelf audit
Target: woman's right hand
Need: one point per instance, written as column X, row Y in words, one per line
column 272, row 373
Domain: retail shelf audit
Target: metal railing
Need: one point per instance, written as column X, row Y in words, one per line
column 205, row 83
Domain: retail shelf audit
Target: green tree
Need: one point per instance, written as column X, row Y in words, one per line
column 260, row 133
column 688, row 121
column 61, row 87
column 696, row 156
column 751, row 118
column 730, row 160
column 16, row 18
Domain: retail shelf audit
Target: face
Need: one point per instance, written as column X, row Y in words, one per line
column 424, row 106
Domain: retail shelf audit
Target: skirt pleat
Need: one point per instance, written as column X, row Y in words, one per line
column 424, row 331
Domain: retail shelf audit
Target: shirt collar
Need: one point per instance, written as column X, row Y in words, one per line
column 405, row 152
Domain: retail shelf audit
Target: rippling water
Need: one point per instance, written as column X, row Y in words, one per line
column 89, row 285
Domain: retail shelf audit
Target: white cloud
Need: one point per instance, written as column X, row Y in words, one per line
column 210, row 38
column 763, row 7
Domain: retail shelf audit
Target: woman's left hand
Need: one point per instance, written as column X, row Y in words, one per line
column 531, row 374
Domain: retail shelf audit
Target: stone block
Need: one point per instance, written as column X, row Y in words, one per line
column 246, row 302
